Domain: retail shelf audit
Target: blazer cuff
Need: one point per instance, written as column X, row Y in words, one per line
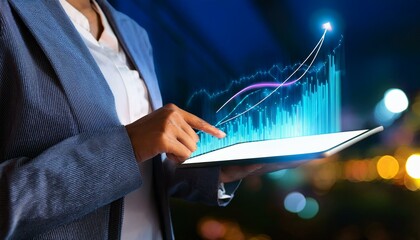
column 226, row 192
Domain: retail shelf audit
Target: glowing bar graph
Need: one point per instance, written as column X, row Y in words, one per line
column 309, row 106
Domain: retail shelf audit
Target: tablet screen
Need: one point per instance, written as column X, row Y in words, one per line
column 285, row 149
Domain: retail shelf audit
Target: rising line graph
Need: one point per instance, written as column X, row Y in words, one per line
column 281, row 101
column 326, row 27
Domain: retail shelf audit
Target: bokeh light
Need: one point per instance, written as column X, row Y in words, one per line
column 415, row 108
column 383, row 116
column 411, row 184
column 387, row 167
column 413, row 166
column 260, row 237
column 289, row 179
column 357, row 170
column 310, row 210
column 277, row 174
column 212, row 229
column 295, row 202
column 325, row 176
column 395, row 100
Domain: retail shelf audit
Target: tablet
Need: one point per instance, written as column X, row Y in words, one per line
column 281, row 150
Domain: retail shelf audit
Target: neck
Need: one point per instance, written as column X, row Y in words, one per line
column 81, row 5
column 85, row 7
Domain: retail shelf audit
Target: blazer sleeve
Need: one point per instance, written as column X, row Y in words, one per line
column 198, row 184
column 65, row 182
column 51, row 172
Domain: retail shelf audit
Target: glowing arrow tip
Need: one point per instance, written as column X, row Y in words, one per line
column 327, row 26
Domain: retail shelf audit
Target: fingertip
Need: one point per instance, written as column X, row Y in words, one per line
column 221, row 134
column 218, row 133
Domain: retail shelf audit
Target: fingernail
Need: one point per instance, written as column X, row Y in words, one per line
column 221, row 134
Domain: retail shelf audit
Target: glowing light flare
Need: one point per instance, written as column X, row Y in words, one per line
column 372, row 171
column 387, row 167
column 310, row 210
column 416, row 108
column 357, row 170
column 260, row 237
column 277, row 175
column 402, row 153
column 326, row 176
column 412, row 166
column 327, row 26
column 212, row 229
column 294, row 202
column 383, row 116
column 395, row 100
column 288, row 179
column 411, row 184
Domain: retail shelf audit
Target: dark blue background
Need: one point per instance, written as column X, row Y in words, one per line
column 208, row 43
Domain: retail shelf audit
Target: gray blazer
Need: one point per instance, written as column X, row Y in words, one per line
column 65, row 160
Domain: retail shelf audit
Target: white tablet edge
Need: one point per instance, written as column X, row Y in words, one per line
column 352, row 141
column 323, row 154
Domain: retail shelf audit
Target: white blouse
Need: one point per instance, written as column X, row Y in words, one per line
column 140, row 218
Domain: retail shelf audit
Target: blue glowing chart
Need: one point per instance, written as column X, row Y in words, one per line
column 281, row 101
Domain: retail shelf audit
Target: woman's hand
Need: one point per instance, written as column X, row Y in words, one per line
column 168, row 130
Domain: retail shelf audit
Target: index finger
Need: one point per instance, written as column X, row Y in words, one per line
column 199, row 124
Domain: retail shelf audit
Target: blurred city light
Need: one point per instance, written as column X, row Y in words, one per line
column 395, row 100
column 387, row 167
column 277, row 175
column 416, row 106
column 411, row 183
column 295, row 202
column 288, row 179
column 260, row 237
column 383, row 116
column 326, row 176
column 310, row 210
column 357, row 170
column 391, row 106
column 212, row 229
column 413, row 166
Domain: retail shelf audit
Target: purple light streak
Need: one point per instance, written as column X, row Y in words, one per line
column 257, row 86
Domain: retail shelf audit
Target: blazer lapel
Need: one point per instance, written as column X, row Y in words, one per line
column 84, row 85
column 138, row 49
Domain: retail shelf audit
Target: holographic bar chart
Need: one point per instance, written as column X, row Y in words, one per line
column 306, row 106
